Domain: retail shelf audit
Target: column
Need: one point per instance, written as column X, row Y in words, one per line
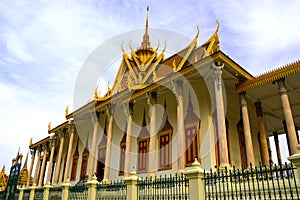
column 247, row 131
column 221, row 126
column 180, row 125
column 263, row 135
column 128, row 139
column 276, row 141
column 32, row 151
column 50, row 168
column 71, row 131
column 152, row 100
column 42, row 173
column 94, row 146
column 37, row 166
column 131, row 184
column 287, row 136
column 61, row 147
column 109, row 142
column 292, row 138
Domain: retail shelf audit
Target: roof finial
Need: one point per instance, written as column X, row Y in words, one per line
column 146, row 42
column 146, row 32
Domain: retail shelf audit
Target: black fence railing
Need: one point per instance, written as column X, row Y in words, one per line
column 55, row 193
column 274, row 182
column 38, row 193
column 26, row 194
column 2, row 194
column 163, row 187
column 79, row 192
column 115, row 190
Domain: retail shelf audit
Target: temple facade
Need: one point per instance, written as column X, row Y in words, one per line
column 161, row 113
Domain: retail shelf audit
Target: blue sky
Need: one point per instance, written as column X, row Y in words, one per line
column 43, row 45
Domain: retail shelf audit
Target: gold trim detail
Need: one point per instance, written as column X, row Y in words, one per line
column 270, row 76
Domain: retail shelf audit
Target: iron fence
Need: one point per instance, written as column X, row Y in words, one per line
column 2, row 194
column 38, row 193
column 274, row 182
column 163, row 187
column 115, row 190
column 79, row 192
column 26, row 194
column 55, row 193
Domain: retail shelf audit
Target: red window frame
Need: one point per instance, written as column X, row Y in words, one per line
column 165, row 151
column 143, row 150
column 84, row 163
column 191, row 142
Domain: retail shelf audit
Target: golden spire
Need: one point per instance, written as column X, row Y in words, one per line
column 30, row 142
column 146, row 42
column 25, row 163
column 3, row 169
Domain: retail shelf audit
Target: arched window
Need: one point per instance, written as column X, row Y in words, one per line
column 143, row 147
column 85, row 159
column 165, row 137
column 74, row 163
column 192, row 136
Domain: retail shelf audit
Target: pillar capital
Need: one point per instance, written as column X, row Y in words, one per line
column 177, row 87
column 61, row 134
column 128, row 108
column 110, row 109
column 52, row 141
column 217, row 68
column 151, row 98
column 281, row 87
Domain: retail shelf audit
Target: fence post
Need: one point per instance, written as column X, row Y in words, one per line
column 65, row 189
column 131, row 183
column 21, row 192
column 295, row 159
column 195, row 175
column 92, row 184
column 46, row 191
column 32, row 189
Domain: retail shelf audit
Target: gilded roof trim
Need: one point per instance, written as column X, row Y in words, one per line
column 270, row 76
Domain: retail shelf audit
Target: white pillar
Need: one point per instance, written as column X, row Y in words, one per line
column 37, row 166
column 94, row 146
column 263, row 135
column 247, row 130
column 221, row 127
column 180, row 125
column 287, row 111
column 52, row 148
column 61, row 147
column 43, row 168
column 128, row 139
column 152, row 100
column 108, row 145
column 71, row 131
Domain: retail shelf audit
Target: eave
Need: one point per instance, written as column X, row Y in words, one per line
column 269, row 77
column 59, row 127
column 47, row 139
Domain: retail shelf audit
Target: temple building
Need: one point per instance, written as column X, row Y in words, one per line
column 161, row 113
